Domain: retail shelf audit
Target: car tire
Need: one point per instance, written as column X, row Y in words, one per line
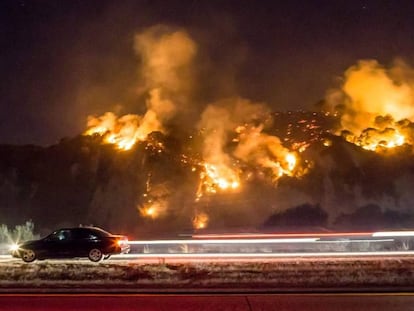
column 95, row 255
column 106, row 257
column 28, row 255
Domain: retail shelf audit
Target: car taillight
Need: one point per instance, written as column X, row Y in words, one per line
column 122, row 242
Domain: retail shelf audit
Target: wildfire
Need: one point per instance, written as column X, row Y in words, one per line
column 265, row 152
column 235, row 135
column 375, row 105
column 200, row 221
column 123, row 132
column 291, row 162
column 215, row 178
column 151, row 210
column 373, row 140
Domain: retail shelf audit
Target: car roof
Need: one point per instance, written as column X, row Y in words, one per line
column 96, row 229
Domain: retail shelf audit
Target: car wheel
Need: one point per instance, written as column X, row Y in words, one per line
column 106, row 257
column 28, row 255
column 95, row 255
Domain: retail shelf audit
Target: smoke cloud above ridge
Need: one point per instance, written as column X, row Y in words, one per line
column 370, row 90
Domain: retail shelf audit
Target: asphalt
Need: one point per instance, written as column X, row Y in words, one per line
column 183, row 302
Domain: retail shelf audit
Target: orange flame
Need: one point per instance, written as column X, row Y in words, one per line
column 375, row 105
column 215, row 178
column 200, row 221
column 123, row 132
column 291, row 162
column 152, row 209
column 373, row 140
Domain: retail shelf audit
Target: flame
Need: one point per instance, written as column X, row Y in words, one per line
column 375, row 105
column 373, row 140
column 215, row 178
column 291, row 162
column 152, row 209
column 327, row 142
column 223, row 177
column 200, row 221
column 149, row 211
column 264, row 151
column 123, row 132
column 234, row 143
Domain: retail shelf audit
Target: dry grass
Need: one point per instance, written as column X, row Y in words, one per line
column 283, row 274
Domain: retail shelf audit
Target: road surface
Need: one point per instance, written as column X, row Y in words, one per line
column 242, row 302
column 238, row 257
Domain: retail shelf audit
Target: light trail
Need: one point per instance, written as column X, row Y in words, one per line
column 224, row 241
column 263, row 245
column 279, row 235
column 265, row 255
column 355, row 241
column 249, row 241
column 247, row 256
column 393, row 234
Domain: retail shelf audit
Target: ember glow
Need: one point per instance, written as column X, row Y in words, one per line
column 200, row 221
column 150, row 210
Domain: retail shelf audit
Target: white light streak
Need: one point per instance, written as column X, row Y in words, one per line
column 264, row 255
column 224, row 241
column 393, row 234
column 356, row 241
column 279, row 235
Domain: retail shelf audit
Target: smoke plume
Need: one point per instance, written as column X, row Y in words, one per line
column 166, row 60
column 370, row 90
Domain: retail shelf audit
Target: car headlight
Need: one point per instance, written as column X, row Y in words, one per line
column 14, row 247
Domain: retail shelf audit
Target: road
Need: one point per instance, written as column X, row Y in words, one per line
column 239, row 257
column 236, row 302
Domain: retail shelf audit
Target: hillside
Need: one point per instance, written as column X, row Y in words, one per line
column 80, row 180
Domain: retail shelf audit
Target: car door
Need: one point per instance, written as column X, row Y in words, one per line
column 63, row 244
column 80, row 242
column 52, row 246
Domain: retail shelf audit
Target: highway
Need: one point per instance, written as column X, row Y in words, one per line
column 184, row 302
column 300, row 250
column 268, row 246
column 232, row 257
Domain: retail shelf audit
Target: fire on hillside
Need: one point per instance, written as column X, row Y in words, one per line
column 239, row 139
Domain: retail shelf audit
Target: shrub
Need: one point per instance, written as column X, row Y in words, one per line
column 19, row 233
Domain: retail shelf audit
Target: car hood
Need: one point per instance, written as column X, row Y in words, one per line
column 30, row 243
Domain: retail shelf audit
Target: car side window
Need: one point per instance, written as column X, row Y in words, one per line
column 92, row 236
column 63, row 235
column 84, row 234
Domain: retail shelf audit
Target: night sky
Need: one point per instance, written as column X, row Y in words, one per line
column 64, row 60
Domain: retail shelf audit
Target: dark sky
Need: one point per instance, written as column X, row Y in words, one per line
column 63, row 60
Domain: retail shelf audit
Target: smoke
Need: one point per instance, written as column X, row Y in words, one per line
column 233, row 129
column 218, row 122
column 263, row 150
column 222, row 118
column 375, row 106
column 370, row 90
column 166, row 58
column 166, row 61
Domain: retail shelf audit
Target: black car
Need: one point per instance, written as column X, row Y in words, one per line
column 91, row 242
